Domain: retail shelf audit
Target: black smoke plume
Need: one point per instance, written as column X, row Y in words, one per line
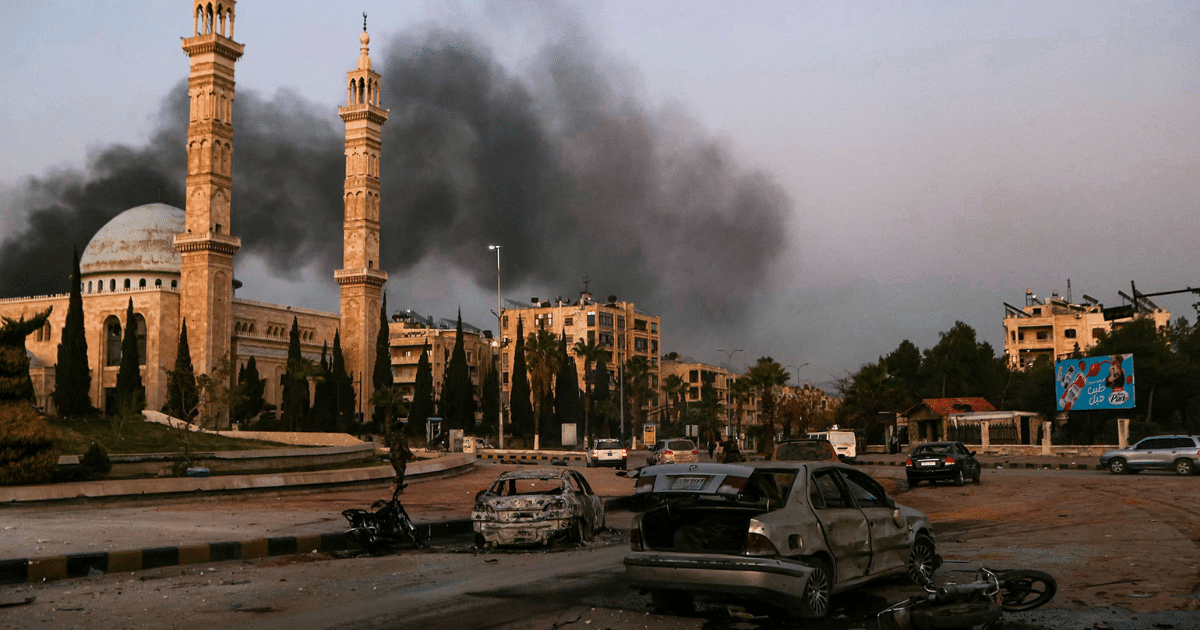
column 573, row 176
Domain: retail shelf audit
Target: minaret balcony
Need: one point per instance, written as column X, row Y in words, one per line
column 364, row 275
column 209, row 241
column 210, row 43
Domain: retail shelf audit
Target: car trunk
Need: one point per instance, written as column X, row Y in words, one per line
column 697, row 528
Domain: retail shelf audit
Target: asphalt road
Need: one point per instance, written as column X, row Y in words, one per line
column 1124, row 550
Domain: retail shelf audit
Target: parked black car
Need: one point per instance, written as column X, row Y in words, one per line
column 941, row 461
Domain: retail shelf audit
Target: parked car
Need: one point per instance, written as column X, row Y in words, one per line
column 790, row 534
column 941, row 461
column 805, row 451
column 478, row 443
column 606, row 452
column 1180, row 453
column 672, row 451
column 537, row 506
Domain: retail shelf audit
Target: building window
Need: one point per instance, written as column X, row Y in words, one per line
column 139, row 323
column 639, row 324
column 1020, row 336
column 1069, row 333
column 89, row 286
column 591, row 319
column 506, row 378
column 112, row 285
column 1014, row 335
column 606, row 339
column 112, row 340
column 654, row 346
column 127, row 284
column 640, row 345
column 694, row 376
column 591, row 337
column 1037, row 311
column 606, row 320
column 142, row 283
column 158, row 282
column 570, row 339
column 1097, row 332
column 1043, row 335
column 693, row 393
column 568, row 321
column 653, row 327
column 174, row 284
column 505, row 323
column 620, row 322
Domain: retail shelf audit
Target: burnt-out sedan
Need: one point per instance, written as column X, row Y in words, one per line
column 537, row 506
column 790, row 534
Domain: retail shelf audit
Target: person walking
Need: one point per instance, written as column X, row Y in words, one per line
column 399, row 455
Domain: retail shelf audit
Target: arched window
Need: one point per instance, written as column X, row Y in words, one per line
column 174, row 284
column 139, row 324
column 112, row 340
column 126, row 284
column 89, row 286
column 142, row 283
column 112, row 285
column 158, row 282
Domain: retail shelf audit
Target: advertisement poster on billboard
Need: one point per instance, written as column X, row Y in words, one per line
column 1095, row 383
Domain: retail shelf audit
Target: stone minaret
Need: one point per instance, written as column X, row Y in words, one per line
column 360, row 278
column 207, row 248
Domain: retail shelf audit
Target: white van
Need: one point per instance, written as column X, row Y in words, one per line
column 843, row 441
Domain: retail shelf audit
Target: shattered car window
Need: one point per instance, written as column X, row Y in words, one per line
column 513, row 487
column 825, row 491
column 864, row 490
column 770, row 487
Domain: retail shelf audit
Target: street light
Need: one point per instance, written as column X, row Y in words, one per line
column 728, row 369
column 797, row 368
column 500, row 339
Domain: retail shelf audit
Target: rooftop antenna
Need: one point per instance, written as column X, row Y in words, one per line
column 364, row 21
column 1069, row 291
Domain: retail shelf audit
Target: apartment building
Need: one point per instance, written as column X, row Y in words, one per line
column 1058, row 327
column 409, row 333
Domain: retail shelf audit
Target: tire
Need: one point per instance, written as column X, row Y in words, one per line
column 978, row 474
column 1026, row 589
column 677, row 603
column 960, row 615
column 1118, row 466
column 1184, row 467
column 913, row 483
column 958, row 478
column 817, row 591
column 922, row 561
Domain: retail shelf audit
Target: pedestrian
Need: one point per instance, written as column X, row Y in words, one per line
column 712, row 448
column 399, row 455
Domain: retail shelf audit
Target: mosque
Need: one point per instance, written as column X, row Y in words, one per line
column 177, row 265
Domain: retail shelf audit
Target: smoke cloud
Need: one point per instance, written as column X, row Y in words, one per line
column 573, row 175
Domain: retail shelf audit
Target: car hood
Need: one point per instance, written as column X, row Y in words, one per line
column 524, row 502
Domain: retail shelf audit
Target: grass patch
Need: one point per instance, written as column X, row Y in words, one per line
column 137, row 436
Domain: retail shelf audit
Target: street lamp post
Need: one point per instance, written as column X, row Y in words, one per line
column 728, row 369
column 797, row 368
column 500, row 347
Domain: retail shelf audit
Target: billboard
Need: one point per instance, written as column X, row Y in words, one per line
column 1095, row 383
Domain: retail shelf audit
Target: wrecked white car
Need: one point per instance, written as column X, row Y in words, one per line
column 790, row 534
column 537, row 506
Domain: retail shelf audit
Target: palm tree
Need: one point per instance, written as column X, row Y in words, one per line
column 766, row 375
column 637, row 389
column 675, row 389
column 591, row 353
column 740, row 390
column 541, row 351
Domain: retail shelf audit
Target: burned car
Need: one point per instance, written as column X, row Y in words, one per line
column 537, row 506
column 790, row 534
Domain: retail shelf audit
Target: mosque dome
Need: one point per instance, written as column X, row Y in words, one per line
column 138, row 239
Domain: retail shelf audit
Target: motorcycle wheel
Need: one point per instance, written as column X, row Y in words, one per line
column 1026, row 589
column 960, row 615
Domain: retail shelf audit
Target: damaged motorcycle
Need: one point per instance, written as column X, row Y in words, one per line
column 976, row 604
column 387, row 527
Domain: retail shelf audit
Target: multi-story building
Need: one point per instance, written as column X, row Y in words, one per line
column 617, row 326
column 1059, row 327
column 409, row 333
column 695, row 373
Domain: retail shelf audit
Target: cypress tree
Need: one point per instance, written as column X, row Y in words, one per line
column 566, row 393
column 458, row 395
column 72, row 378
column 295, row 383
column 520, row 406
column 253, row 388
column 182, row 396
column 323, row 414
column 490, row 400
column 381, row 375
column 422, row 402
column 131, row 394
column 343, row 388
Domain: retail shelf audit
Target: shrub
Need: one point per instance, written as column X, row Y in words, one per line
column 95, row 462
column 28, row 450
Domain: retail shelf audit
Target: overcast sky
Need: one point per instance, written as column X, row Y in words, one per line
column 935, row 159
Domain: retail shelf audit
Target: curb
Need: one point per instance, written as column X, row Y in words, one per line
column 524, row 456
column 1026, row 465
column 28, row 570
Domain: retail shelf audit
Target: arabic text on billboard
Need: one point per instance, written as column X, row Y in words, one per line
column 1095, row 383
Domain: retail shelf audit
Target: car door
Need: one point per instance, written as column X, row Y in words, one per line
column 970, row 465
column 847, row 534
column 587, row 499
column 889, row 539
column 1147, row 454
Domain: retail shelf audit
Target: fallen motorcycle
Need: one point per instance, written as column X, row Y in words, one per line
column 976, row 604
column 388, row 526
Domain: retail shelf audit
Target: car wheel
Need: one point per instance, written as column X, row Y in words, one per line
column 975, row 479
column 1118, row 467
column 961, row 615
column 958, row 478
column 817, row 591
column 1184, row 467
column 913, row 483
column 479, row 541
column 676, row 603
column 922, row 561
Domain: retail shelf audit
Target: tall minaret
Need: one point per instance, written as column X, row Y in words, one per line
column 207, row 248
column 360, row 278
